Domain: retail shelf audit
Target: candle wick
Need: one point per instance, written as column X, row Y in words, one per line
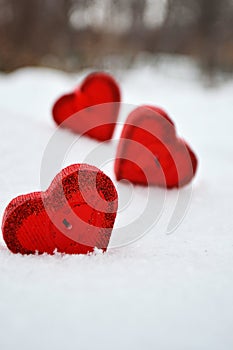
column 67, row 224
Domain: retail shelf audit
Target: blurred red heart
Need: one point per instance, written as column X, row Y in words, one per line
column 75, row 215
column 92, row 109
column 150, row 153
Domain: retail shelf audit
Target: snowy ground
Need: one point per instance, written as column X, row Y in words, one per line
column 162, row 292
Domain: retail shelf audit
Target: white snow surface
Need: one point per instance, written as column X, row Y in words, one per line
column 161, row 292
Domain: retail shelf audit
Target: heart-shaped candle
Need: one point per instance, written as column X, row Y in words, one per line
column 150, row 153
column 92, row 109
column 75, row 215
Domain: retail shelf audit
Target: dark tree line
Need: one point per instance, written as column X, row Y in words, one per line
column 34, row 32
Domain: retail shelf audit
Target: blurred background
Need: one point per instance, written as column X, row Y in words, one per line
column 75, row 34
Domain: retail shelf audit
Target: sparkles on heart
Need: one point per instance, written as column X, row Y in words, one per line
column 75, row 215
column 150, row 153
column 92, row 109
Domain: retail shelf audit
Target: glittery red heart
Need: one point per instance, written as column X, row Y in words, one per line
column 97, row 101
column 150, row 153
column 75, row 215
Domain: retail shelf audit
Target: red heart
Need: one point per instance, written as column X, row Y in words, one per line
column 150, row 153
column 75, row 215
column 97, row 101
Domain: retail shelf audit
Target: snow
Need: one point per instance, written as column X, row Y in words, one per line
column 165, row 291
